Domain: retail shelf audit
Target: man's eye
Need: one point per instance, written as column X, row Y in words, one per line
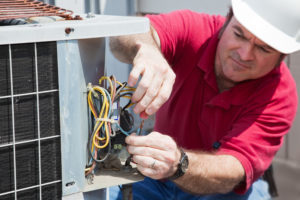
column 237, row 35
column 263, row 49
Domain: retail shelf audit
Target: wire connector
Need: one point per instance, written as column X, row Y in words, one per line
column 112, row 121
column 90, row 88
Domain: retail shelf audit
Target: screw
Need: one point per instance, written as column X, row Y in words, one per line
column 68, row 30
column 77, row 17
column 90, row 15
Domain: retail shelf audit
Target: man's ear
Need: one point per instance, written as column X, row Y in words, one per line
column 281, row 58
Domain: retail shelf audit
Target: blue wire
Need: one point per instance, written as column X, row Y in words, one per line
column 123, row 131
column 108, row 96
column 109, row 112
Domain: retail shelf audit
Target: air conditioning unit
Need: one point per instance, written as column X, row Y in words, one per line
column 44, row 72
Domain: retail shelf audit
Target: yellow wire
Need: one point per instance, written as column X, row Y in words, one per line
column 93, row 109
column 101, row 115
column 119, row 83
column 128, row 90
column 104, row 110
column 130, row 105
column 110, row 84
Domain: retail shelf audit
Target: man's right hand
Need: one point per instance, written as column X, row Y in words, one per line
column 157, row 79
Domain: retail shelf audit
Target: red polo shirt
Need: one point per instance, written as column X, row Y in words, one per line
column 248, row 121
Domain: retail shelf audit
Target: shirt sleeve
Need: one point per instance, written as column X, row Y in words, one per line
column 259, row 131
column 182, row 32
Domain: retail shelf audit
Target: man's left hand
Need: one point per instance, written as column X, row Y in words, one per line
column 156, row 155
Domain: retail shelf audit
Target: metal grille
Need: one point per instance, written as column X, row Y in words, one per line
column 30, row 151
column 12, row 9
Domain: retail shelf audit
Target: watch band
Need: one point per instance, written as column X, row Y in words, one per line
column 182, row 166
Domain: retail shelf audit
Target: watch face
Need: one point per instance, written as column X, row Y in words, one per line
column 185, row 163
column 182, row 166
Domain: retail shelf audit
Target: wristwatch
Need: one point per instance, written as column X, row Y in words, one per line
column 182, row 166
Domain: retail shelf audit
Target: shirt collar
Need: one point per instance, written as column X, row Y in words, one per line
column 207, row 60
column 239, row 94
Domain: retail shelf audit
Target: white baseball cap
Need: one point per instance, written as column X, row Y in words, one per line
column 276, row 22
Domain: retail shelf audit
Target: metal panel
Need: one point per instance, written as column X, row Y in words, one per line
column 52, row 2
column 76, row 6
column 287, row 177
column 294, row 136
column 95, row 27
column 93, row 6
column 117, row 7
column 79, row 62
column 208, row 6
column 99, row 6
column 72, row 107
column 283, row 151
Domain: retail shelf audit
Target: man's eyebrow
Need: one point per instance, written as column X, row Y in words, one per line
column 242, row 33
column 265, row 46
column 238, row 29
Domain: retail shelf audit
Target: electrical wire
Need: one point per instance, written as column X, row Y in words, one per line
column 100, row 138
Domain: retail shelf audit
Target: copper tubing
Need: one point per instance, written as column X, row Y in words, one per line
column 30, row 8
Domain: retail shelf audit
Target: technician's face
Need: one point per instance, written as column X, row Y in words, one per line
column 241, row 56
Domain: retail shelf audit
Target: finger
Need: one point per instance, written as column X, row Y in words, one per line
column 134, row 75
column 164, row 156
column 141, row 90
column 146, row 171
column 150, row 94
column 161, row 98
column 144, row 115
column 153, row 140
column 145, row 161
column 151, row 167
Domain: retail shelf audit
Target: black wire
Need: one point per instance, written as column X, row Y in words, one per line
column 126, row 120
column 97, row 110
column 120, row 88
column 90, row 150
column 123, row 94
column 126, row 106
column 102, row 160
column 97, row 102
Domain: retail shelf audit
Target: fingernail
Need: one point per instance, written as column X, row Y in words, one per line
column 149, row 111
column 135, row 110
column 130, row 83
column 143, row 115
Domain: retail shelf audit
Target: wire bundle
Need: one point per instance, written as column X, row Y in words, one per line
column 100, row 102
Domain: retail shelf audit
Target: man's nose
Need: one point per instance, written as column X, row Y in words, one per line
column 246, row 52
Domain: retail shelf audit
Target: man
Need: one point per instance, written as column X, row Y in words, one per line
column 220, row 122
